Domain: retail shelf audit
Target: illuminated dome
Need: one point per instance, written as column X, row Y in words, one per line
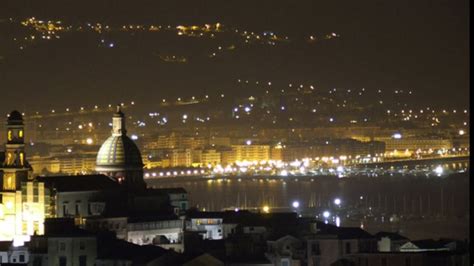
column 119, row 153
column 119, row 157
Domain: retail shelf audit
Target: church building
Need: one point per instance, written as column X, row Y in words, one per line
column 22, row 200
column 119, row 157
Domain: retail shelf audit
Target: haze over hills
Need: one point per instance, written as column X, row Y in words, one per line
column 388, row 47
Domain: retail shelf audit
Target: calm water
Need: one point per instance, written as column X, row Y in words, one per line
column 438, row 206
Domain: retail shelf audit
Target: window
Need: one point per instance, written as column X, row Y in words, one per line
column 82, row 260
column 64, row 210
column 62, row 261
column 22, row 258
column 285, row 262
column 77, row 208
column 348, row 248
column 62, row 246
column 82, row 245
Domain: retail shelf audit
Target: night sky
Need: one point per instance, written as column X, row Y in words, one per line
column 418, row 45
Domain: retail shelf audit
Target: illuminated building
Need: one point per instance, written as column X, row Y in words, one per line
column 149, row 164
column 45, row 164
column 220, row 141
column 401, row 145
column 119, row 157
column 63, row 245
column 251, row 152
column 181, row 157
column 276, row 153
column 68, row 164
column 11, row 253
column 211, row 157
column 173, row 141
column 228, row 156
column 22, row 200
column 335, row 147
column 74, row 165
column 166, row 233
column 197, row 157
column 164, row 142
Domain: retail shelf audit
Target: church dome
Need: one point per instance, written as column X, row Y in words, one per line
column 119, row 153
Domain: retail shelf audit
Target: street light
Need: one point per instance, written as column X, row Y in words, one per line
column 296, row 204
column 326, row 214
column 438, row 170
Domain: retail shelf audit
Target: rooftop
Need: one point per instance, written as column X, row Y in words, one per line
column 79, row 182
column 391, row 235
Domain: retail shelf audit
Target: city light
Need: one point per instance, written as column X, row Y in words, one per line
column 397, row 136
column 439, row 170
column 326, row 214
column 295, row 204
column 247, row 122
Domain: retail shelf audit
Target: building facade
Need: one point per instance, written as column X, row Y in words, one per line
column 22, row 199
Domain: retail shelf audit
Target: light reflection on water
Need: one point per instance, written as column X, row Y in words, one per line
column 249, row 193
column 433, row 198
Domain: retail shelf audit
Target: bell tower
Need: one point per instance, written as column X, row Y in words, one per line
column 118, row 123
column 15, row 167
